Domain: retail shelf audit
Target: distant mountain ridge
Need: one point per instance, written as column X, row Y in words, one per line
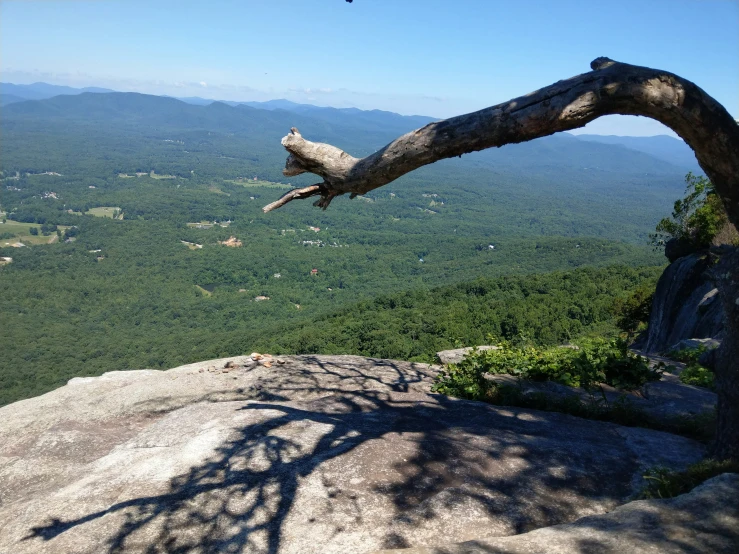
column 375, row 119
column 135, row 111
column 382, row 125
column 664, row 147
column 358, row 131
column 41, row 91
column 10, row 99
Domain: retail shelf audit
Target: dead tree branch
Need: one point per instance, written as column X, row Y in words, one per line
column 610, row 88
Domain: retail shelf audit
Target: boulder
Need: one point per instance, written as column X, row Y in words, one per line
column 676, row 249
column 708, row 358
column 703, row 521
column 708, row 344
column 685, row 305
column 315, row 454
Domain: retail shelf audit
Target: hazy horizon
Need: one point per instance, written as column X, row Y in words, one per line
column 589, row 129
column 417, row 57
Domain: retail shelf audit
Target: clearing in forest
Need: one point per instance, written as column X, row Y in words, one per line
column 258, row 183
column 155, row 176
column 22, row 234
column 151, row 174
column 106, row 211
column 208, row 224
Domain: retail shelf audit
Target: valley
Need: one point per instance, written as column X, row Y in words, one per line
column 162, row 184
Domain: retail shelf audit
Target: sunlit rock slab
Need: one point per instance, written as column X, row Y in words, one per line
column 313, row 454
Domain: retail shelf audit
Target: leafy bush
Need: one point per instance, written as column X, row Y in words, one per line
column 590, row 363
column 665, row 483
column 694, row 373
column 632, row 312
column 697, row 375
column 687, row 355
column 696, row 219
column 473, row 385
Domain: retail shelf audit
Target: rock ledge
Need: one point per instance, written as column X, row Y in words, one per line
column 314, row 454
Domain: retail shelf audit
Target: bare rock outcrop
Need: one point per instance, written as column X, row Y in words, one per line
column 305, row 454
column 685, row 305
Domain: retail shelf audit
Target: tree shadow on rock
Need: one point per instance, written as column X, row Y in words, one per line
column 420, row 457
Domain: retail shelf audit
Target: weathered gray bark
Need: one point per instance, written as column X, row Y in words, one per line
column 610, row 88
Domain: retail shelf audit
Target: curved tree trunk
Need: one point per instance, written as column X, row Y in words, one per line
column 611, row 88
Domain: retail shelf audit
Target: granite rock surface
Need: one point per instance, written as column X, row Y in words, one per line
column 703, row 521
column 304, row 454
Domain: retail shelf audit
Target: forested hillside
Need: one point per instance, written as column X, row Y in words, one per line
column 151, row 285
column 589, row 189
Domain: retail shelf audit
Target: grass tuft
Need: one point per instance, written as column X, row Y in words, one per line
column 665, row 483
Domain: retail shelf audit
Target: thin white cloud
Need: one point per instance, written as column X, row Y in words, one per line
column 310, row 90
column 323, row 96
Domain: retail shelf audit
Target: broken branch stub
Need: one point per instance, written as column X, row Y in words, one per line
column 324, row 160
column 610, row 88
column 292, row 195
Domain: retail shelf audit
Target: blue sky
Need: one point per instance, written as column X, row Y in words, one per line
column 437, row 58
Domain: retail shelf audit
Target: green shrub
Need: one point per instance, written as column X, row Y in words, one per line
column 696, row 219
column 623, row 411
column 697, row 375
column 694, row 373
column 586, row 365
column 595, row 361
column 687, row 355
column 665, row 483
column 632, row 312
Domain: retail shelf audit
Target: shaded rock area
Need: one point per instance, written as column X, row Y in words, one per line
column 709, row 356
column 315, row 454
column 685, row 306
column 704, row 521
column 676, row 249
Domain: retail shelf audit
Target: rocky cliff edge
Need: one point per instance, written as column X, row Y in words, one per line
column 314, row 454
